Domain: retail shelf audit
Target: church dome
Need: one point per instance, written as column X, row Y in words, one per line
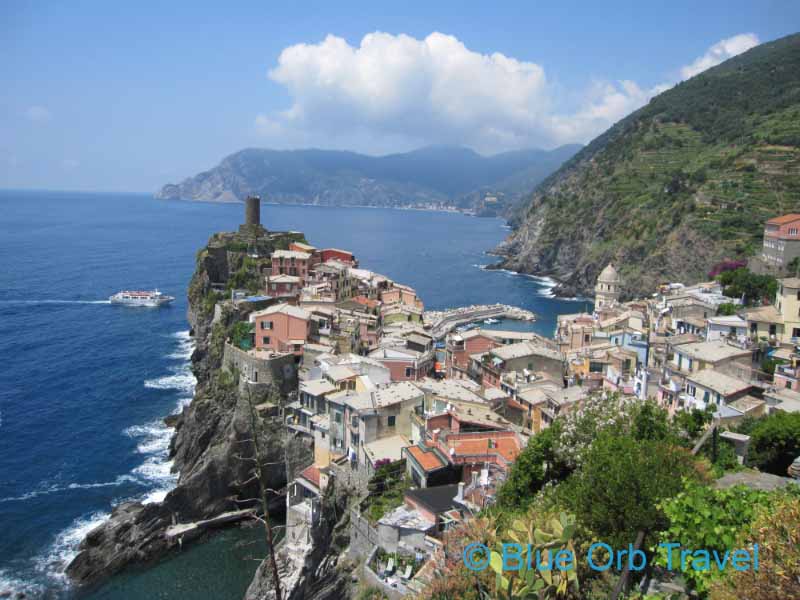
column 609, row 275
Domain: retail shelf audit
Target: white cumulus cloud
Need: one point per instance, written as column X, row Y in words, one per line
column 720, row 52
column 436, row 90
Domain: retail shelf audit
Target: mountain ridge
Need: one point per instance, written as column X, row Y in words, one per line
column 433, row 175
column 674, row 187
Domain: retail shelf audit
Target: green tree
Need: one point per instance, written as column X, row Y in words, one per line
column 536, row 465
column 242, row 335
column 617, row 490
column 726, row 309
column 775, row 442
column 743, row 283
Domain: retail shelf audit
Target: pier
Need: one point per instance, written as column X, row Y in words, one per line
column 181, row 529
column 440, row 323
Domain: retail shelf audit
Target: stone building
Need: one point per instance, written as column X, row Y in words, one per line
column 606, row 290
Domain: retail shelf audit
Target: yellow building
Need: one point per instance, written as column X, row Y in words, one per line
column 779, row 322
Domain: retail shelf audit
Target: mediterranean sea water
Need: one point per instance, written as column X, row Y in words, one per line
column 84, row 385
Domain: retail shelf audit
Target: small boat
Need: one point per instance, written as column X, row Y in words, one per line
column 491, row 321
column 141, row 298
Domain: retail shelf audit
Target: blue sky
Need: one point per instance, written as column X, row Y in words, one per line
column 129, row 96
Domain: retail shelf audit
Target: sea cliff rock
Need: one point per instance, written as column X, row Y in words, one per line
column 320, row 572
column 211, row 446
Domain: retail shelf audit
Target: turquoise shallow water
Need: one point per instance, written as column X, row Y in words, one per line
column 85, row 384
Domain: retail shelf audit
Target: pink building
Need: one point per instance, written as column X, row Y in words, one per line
column 291, row 262
column 281, row 328
column 404, row 364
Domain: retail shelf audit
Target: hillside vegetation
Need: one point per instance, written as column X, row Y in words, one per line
column 676, row 186
column 434, row 176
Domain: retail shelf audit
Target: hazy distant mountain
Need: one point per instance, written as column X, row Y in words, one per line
column 436, row 175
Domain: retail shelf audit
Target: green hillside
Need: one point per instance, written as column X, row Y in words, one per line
column 676, row 186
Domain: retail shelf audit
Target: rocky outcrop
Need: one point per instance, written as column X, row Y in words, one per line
column 321, row 571
column 211, row 446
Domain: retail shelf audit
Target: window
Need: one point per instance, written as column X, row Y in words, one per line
column 354, row 421
column 706, row 397
column 390, row 421
column 265, row 340
column 409, row 371
column 690, row 389
column 337, row 417
column 266, row 324
column 788, row 384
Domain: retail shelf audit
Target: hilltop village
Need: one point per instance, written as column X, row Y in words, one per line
column 378, row 390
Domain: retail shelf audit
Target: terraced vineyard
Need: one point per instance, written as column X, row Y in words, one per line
column 676, row 186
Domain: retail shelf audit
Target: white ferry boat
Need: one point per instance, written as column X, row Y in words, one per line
column 141, row 298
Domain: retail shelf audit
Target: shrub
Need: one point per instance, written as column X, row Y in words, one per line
column 726, row 265
column 776, row 530
column 707, row 518
column 618, row 488
column 775, row 442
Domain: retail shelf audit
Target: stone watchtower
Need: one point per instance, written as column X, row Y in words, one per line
column 252, row 217
column 606, row 290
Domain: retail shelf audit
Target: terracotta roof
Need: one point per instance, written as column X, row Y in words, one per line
column 507, row 447
column 369, row 302
column 782, row 220
column 311, row 474
column 428, row 460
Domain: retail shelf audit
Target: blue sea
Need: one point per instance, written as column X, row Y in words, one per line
column 84, row 385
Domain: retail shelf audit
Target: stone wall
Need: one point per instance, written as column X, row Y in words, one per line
column 259, row 374
column 363, row 536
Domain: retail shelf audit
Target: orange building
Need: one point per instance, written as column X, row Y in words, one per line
column 281, row 328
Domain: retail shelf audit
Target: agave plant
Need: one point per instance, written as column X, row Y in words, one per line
column 537, row 578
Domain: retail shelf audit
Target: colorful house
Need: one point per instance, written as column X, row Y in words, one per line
column 281, row 328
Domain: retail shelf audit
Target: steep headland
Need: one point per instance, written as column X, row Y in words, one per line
column 212, row 447
column 676, row 186
column 429, row 177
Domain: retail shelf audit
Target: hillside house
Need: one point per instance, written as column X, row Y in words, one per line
column 520, row 357
column 281, row 328
column 781, row 241
column 291, row 262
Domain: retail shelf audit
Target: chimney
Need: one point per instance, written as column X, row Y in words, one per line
column 460, row 496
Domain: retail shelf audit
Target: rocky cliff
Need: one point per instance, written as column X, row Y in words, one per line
column 678, row 185
column 323, row 572
column 212, row 441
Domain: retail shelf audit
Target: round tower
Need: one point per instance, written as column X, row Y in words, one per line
column 606, row 290
column 252, row 211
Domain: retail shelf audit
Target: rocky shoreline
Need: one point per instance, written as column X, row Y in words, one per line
column 210, row 449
